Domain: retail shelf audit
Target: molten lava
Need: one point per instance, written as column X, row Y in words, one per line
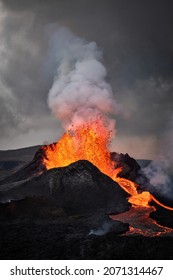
column 141, row 223
column 86, row 142
column 90, row 141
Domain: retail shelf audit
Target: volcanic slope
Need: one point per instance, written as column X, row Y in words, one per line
column 79, row 187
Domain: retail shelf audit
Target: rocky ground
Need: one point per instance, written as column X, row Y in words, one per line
column 64, row 213
column 69, row 238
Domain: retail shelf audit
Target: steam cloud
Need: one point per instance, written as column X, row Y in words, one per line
column 79, row 91
column 159, row 178
column 159, row 172
column 102, row 230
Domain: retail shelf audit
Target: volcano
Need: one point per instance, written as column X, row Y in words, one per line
column 79, row 177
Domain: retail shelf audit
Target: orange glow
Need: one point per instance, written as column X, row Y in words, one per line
column 129, row 186
column 161, row 204
column 90, row 141
column 141, row 199
column 140, row 222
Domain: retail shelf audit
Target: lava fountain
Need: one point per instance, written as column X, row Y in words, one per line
column 90, row 141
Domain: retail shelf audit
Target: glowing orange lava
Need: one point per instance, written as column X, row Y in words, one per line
column 140, row 222
column 86, row 142
column 90, row 141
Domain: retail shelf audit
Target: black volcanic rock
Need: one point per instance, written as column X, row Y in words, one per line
column 130, row 167
column 82, row 186
column 163, row 216
column 77, row 188
column 68, row 239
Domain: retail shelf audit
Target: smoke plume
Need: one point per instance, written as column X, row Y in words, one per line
column 79, row 91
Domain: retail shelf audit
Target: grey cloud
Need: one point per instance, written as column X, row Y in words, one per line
column 150, row 102
column 136, row 40
column 22, row 83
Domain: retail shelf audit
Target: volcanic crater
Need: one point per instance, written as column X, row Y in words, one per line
column 82, row 201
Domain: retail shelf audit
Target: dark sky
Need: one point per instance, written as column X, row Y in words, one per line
column 137, row 43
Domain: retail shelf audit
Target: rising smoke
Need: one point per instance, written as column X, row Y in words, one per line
column 79, row 91
column 107, row 226
column 102, row 230
column 159, row 172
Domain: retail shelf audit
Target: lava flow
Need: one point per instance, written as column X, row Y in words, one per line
column 90, row 141
column 141, row 223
